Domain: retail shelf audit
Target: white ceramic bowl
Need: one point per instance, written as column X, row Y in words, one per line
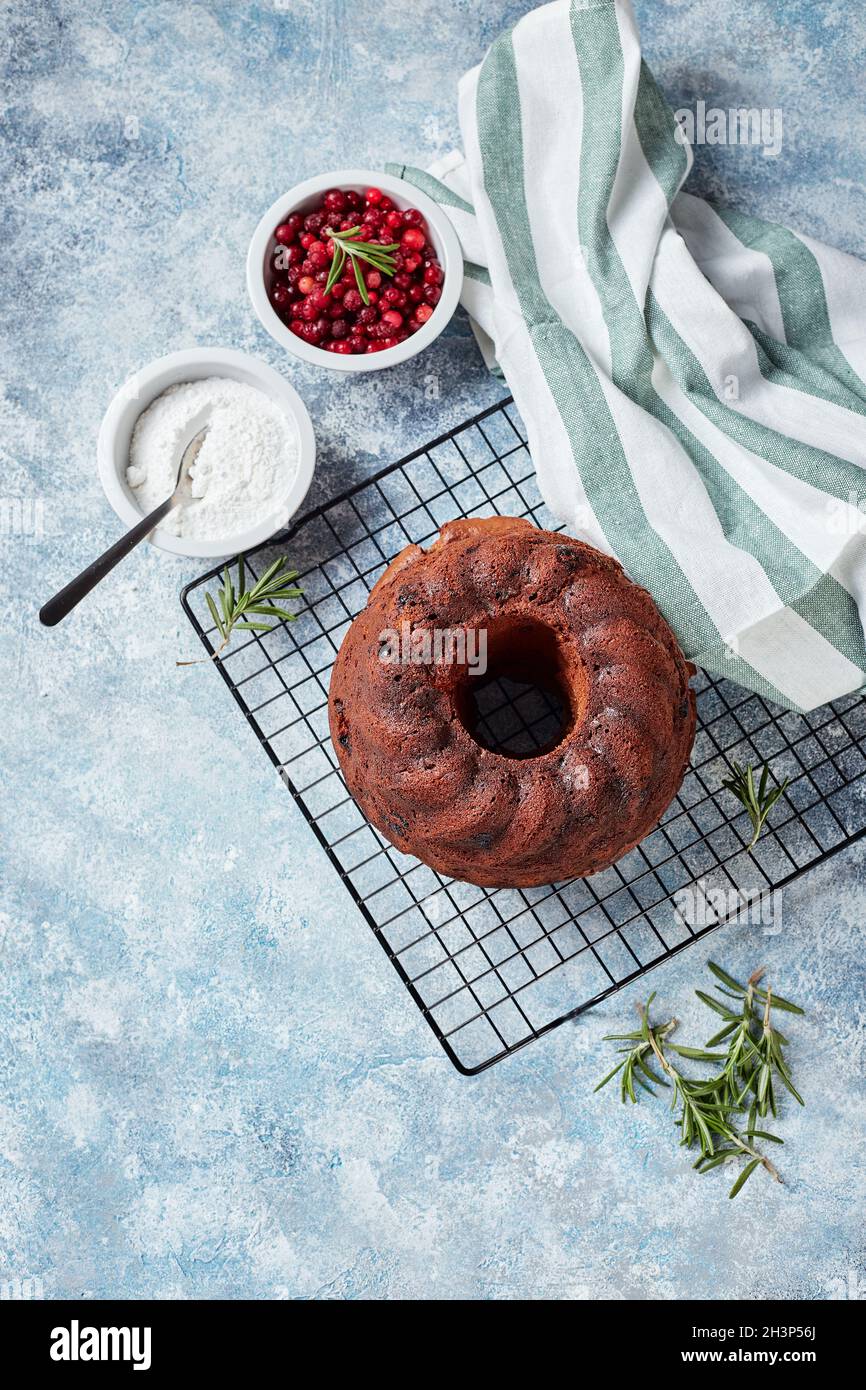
column 136, row 395
column 302, row 198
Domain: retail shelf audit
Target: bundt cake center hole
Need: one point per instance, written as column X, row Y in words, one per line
column 521, row 706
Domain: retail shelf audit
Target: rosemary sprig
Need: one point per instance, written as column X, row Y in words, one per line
column 755, row 1054
column 741, row 1057
column 635, row 1060
column 757, row 800
column 708, row 1106
column 705, row 1116
column 240, row 607
column 372, row 253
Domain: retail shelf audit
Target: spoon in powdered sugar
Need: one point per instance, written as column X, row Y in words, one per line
column 64, row 601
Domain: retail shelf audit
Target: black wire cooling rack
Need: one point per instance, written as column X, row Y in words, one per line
column 493, row 969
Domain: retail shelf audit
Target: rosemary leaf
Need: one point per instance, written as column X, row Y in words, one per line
column 360, row 282
column 698, row 1054
column 722, row 1009
column 725, row 978
column 744, row 1177
column 215, row 615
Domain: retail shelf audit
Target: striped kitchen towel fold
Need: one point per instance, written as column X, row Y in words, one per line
column 691, row 379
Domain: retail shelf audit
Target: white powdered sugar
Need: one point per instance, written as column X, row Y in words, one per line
column 244, row 469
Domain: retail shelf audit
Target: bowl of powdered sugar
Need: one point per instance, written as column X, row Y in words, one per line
column 251, row 473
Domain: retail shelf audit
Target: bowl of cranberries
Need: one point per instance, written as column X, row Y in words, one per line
column 354, row 270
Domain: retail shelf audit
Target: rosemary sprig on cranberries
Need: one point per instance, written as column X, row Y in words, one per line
column 372, row 253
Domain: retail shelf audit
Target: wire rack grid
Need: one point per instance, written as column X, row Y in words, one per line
column 491, row 970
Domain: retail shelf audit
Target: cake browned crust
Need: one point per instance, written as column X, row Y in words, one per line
column 558, row 613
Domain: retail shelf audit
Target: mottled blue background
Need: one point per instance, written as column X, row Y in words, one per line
column 211, row 1080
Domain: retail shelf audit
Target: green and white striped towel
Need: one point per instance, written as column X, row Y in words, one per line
column 691, row 379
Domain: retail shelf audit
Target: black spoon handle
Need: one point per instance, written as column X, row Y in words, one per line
column 64, row 601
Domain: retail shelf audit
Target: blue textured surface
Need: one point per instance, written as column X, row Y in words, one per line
column 211, row 1081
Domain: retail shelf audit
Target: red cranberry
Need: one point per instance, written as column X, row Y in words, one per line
column 416, row 294
column 402, row 280
column 385, row 205
column 392, row 318
column 285, row 234
column 306, row 239
column 335, row 200
column 374, row 195
column 306, row 284
column 432, row 294
column 341, row 347
column 367, row 315
column 314, row 222
column 433, row 274
column 339, row 328
column 373, row 279
column 411, row 263
column 372, row 217
column 412, row 218
column 352, row 300
column 373, row 296
column 282, row 296
column 354, row 198
column 338, row 289
column 423, row 312
column 413, row 239
column 394, row 220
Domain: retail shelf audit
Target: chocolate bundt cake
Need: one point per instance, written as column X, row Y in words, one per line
column 554, row 613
